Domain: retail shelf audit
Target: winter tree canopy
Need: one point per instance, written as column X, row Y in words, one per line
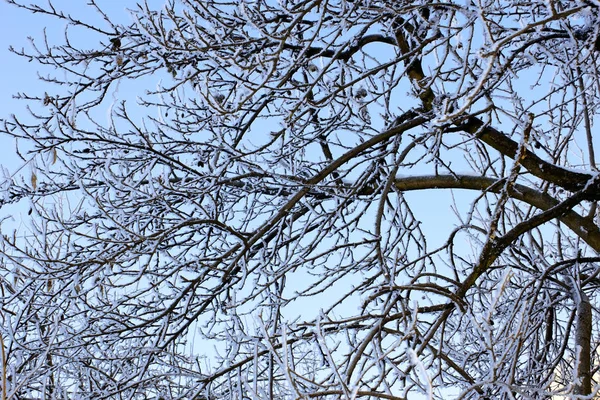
column 288, row 199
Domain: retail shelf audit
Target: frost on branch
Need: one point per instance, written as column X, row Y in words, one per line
column 304, row 199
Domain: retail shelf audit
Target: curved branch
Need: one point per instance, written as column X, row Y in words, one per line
column 567, row 179
column 341, row 55
column 582, row 227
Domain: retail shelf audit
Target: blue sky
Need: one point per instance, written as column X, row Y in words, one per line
column 19, row 75
column 16, row 74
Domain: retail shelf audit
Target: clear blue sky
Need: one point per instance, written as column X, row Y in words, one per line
column 16, row 74
column 19, row 75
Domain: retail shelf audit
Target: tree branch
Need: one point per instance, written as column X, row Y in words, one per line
column 581, row 226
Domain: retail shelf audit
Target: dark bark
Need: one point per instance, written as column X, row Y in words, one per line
column 583, row 348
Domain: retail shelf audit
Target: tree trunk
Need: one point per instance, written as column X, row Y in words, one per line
column 583, row 337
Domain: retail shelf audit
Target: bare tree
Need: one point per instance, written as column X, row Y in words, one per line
column 249, row 223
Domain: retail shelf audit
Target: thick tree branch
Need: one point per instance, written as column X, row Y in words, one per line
column 583, row 341
column 582, row 227
column 567, row 179
column 542, row 169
